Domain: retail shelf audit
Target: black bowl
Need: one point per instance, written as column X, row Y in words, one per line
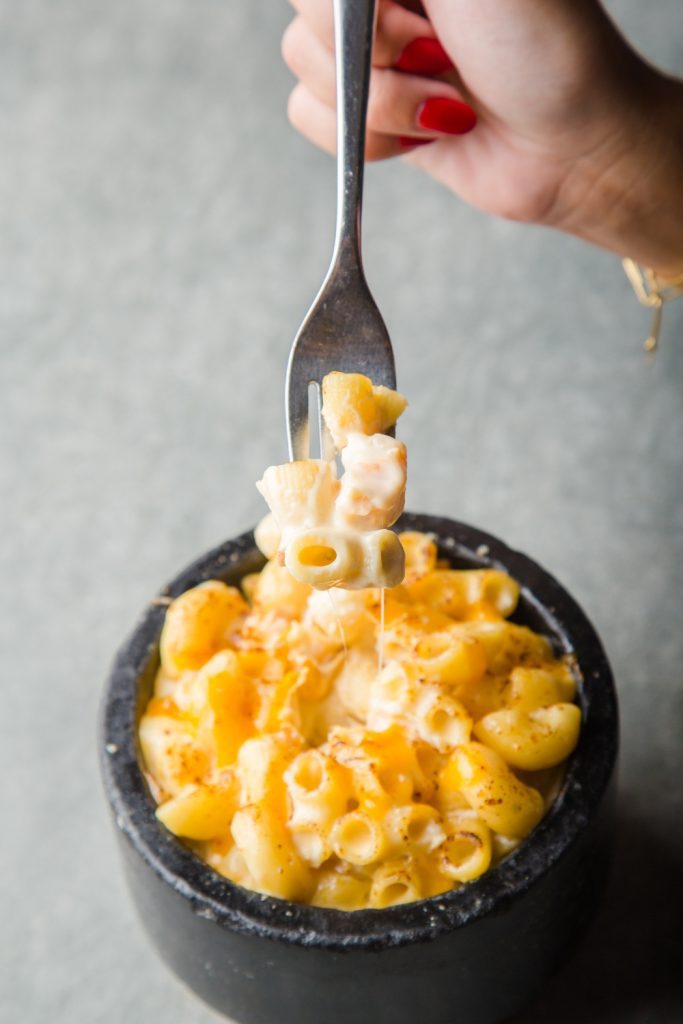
column 474, row 955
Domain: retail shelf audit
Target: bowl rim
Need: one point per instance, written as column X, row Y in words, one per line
column 216, row 898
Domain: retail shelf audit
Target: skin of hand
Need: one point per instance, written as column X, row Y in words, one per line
column 573, row 129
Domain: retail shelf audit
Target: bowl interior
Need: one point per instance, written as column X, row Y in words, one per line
column 544, row 606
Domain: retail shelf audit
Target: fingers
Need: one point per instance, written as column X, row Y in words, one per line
column 396, row 28
column 398, row 105
column 310, row 60
column 406, row 108
column 318, row 123
column 315, row 120
column 318, row 14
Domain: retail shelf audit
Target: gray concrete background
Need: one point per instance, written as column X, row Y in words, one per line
column 162, row 231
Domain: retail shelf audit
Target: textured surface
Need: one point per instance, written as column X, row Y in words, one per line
column 162, row 231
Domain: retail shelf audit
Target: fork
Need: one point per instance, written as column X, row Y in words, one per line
column 343, row 329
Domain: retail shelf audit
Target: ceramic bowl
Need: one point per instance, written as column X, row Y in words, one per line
column 474, row 955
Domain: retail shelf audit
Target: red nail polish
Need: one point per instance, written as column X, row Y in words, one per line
column 410, row 142
column 441, row 114
column 424, row 57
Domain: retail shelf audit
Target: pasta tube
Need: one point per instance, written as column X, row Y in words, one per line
column 440, row 720
column 492, row 588
column 450, row 658
column 324, row 558
column 276, row 588
column 300, row 494
column 199, row 812
column 503, row 802
column 391, row 695
column 228, row 717
column 395, row 882
column 466, row 851
column 353, row 405
column 532, row 688
column 198, row 624
column 318, row 789
column 173, row 755
column 383, row 559
column 414, row 828
column 358, row 838
column 373, row 487
column 267, row 536
column 260, row 766
column 420, row 551
column 269, row 854
column 341, row 891
column 531, row 740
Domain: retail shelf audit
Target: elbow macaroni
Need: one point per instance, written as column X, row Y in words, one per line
column 293, row 765
column 335, row 533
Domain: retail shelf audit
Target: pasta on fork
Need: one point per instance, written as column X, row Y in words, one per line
column 335, row 533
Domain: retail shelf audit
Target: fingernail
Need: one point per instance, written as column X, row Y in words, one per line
column 441, row 114
column 410, row 142
column 424, row 57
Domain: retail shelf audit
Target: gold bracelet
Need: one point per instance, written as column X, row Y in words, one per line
column 652, row 291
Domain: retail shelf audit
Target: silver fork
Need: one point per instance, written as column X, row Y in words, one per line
column 343, row 329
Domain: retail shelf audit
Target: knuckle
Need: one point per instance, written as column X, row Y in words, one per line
column 381, row 101
column 385, row 49
column 383, row 52
column 290, row 45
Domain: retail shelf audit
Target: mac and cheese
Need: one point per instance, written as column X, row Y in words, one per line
column 297, row 766
column 334, row 533
column 357, row 746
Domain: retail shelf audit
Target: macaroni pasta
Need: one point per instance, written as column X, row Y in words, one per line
column 294, row 765
column 323, row 739
column 334, row 533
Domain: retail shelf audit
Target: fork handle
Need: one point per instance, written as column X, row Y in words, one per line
column 354, row 26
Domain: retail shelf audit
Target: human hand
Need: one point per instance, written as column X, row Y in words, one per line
column 566, row 113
